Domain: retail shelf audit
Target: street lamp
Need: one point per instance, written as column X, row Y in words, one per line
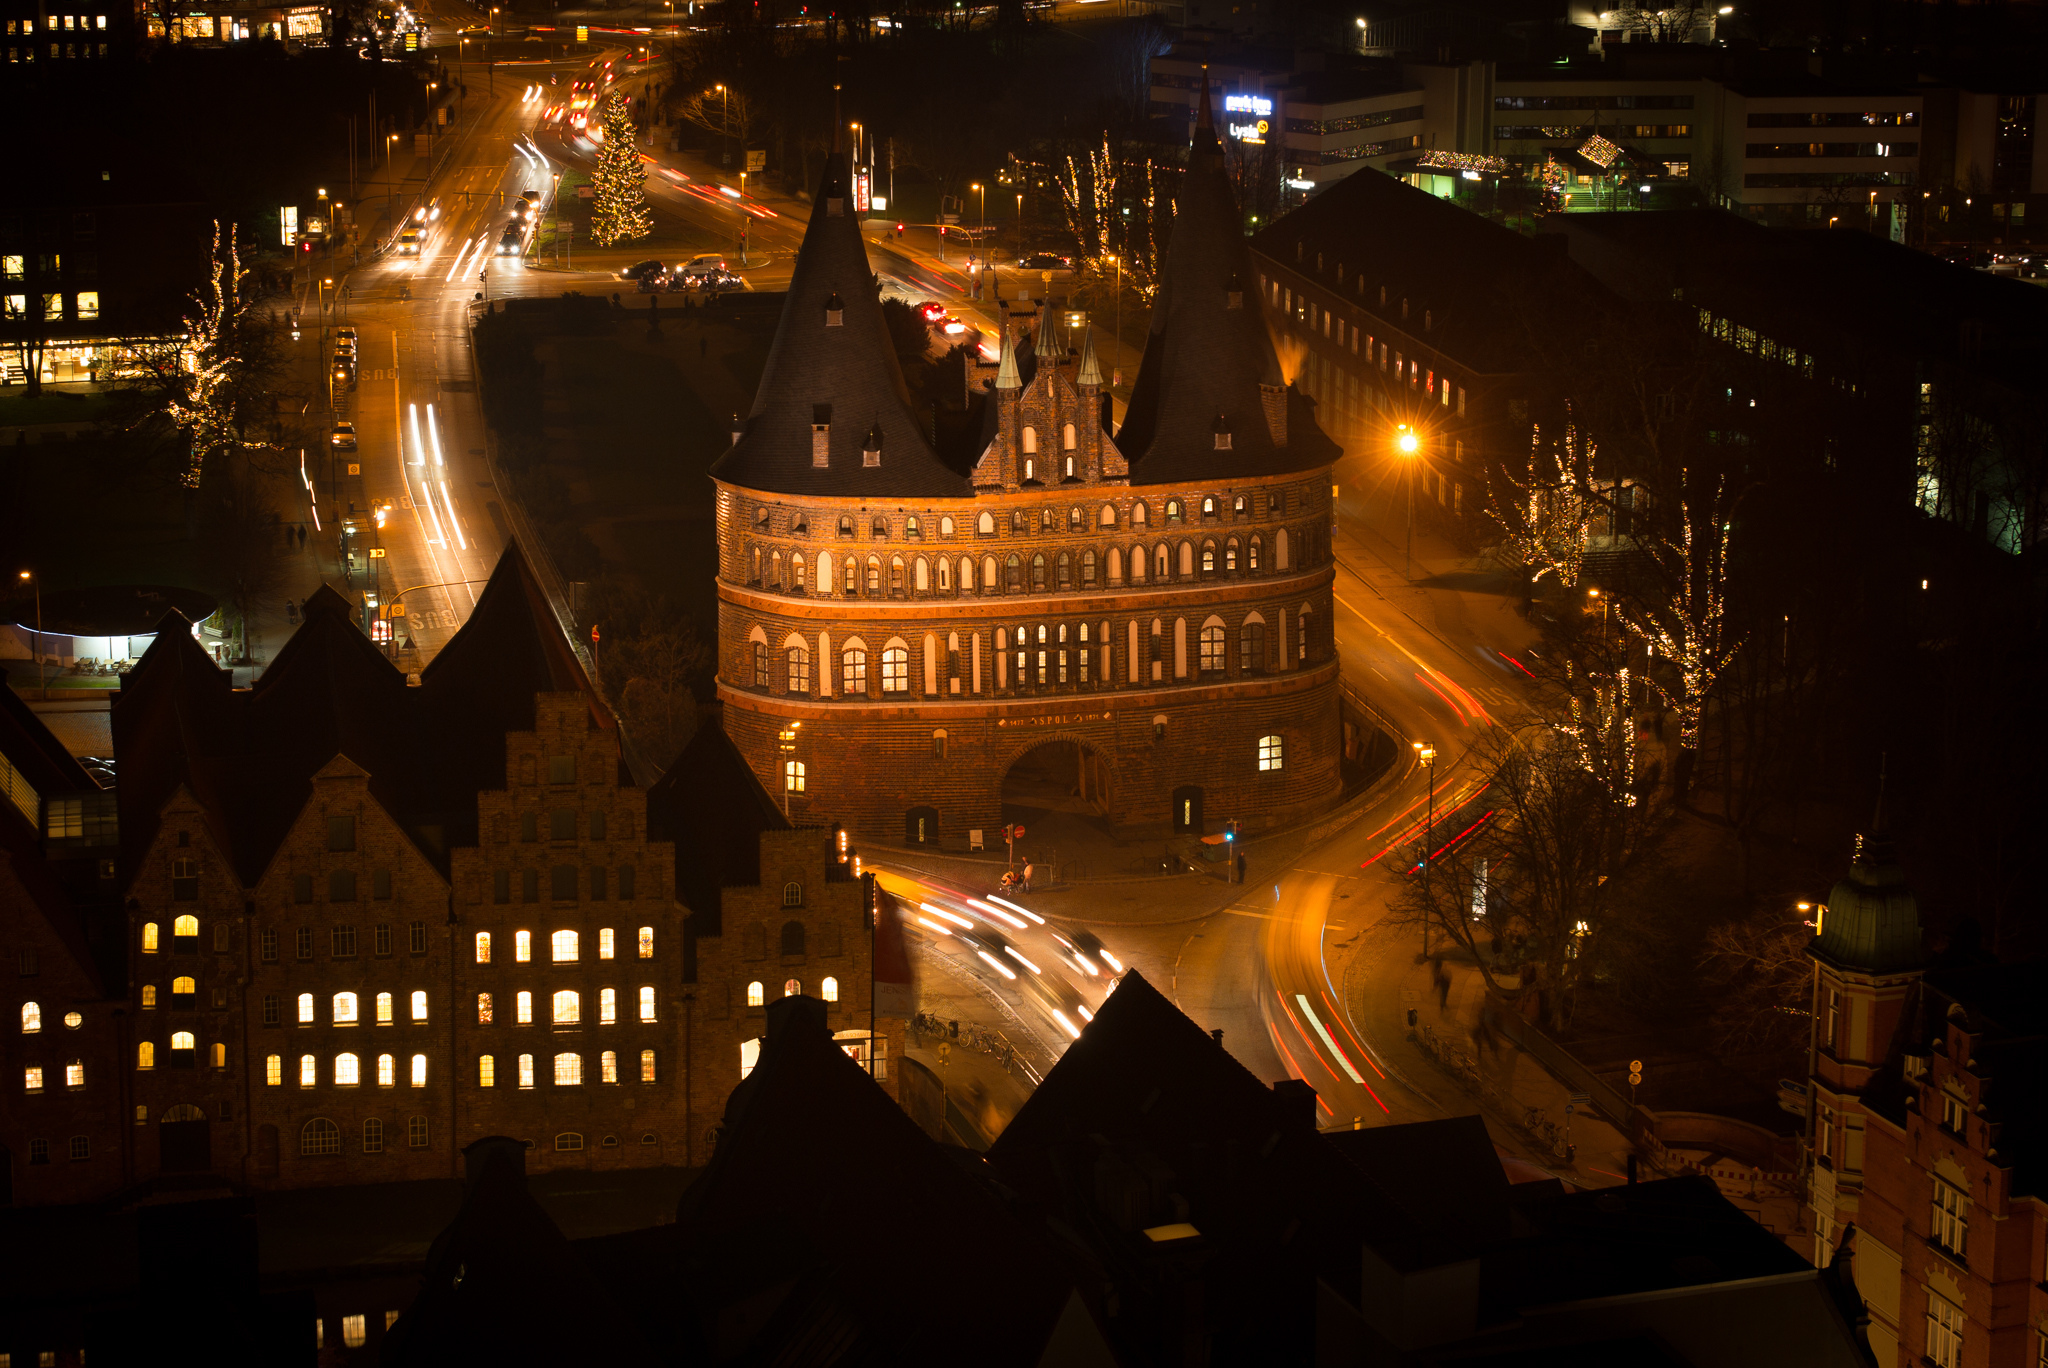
column 1116, row 370
column 1409, row 443
column 725, row 120
column 1426, row 755
column 30, row 575
column 980, row 234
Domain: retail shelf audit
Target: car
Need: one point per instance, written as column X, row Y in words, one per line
column 1059, row 1000
column 931, row 311
column 343, row 437
column 411, row 240
column 703, row 265
column 346, row 332
column 344, row 346
column 512, row 243
column 1046, row 261
column 1088, row 953
column 345, row 373
column 641, row 268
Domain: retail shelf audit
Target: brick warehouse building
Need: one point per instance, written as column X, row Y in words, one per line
column 1137, row 620
column 363, row 922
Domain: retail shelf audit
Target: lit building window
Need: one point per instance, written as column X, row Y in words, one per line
column 1271, row 753
column 487, row 1071
column 568, row 1008
column 750, row 1055
column 88, row 304
column 646, row 942
column 186, row 927
column 483, row 947
column 483, row 1009
column 148, row 995
column 608, row 1066
column 793, row 777
column 419, row 1005
column 347, row 1071
column 309, row 1071
column 31, row 1018
column 563, row 947
column 525, row 1012
column 756, row 994
column 387, row 1071
column 353, row 1333
column 647, row 1004
column 419, row 1071
column 607, row 1006
column 526, row 1071
column 384, row 1017
column 568, row 1070
column 647, row 1066
column 522, row 946
column 273, row 1070
column 182, row 1040
column 305, row 1009
column 829, row 989
column 145, row 1055
column 792, row 987
column 32, row 1078
column 344, row 1009
column 605, row 942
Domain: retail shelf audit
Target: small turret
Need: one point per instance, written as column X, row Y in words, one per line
column 1090, row 373
column 1007, row 377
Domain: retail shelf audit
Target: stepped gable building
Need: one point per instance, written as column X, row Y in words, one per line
column 1134, row 622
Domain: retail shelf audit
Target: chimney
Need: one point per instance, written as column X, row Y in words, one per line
column 1274, row 397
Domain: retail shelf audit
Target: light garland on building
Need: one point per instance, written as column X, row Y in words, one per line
column 1437, row 160
column 1600, row 152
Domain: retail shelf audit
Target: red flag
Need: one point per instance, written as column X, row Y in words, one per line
column 895, row 986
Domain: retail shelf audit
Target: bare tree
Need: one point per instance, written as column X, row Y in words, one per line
column 29, row 333
column 1763, row 979
column 1546, row 517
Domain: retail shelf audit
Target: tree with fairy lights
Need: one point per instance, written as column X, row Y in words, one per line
column 618, row 208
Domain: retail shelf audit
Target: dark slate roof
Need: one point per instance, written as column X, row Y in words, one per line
column 503, row 1285
column 175, row 708
column 1204, row 359
column 845, row 375
column 714, row 810
column 819, row 1184
column 1872, row 920
column 1487, row 288
column 39, row 756
column 1441, row 1173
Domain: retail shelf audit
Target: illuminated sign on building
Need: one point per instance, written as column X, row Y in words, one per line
column 1248, row 104
column 1250, row 132
column 288, row 224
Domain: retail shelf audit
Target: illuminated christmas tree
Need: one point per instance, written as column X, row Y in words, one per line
column 618, row 208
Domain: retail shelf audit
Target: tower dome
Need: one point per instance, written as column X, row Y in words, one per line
column 1872, row 920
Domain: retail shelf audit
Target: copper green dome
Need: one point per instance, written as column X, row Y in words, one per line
column 1872, row 922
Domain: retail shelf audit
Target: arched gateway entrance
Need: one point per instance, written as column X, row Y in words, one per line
column 1057, row 785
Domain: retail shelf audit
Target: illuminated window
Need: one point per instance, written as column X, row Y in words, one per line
column 647, row 1066
column 1271, row 753
column 309, row 1071
column 419, row 1004
column 750, row 1055
column 483, row 947
column 347, row 1071
column 148, row 996
column 607, row 1005
column 353, row 1333
column 319, row 1136
column 419, row 1071
column 525, row 1000
column 756, row 994
column 522, row 946
column 387, row 1071
column 182, row 1040
column 487, row 1071
column 568, row 1008
column 305, row 1009
column 526, row 1071
column 384, row 1017
column 483, row 1009
column 829, row 990
column 647, row 1004
column 184, row 991
column 792, row 987
column 608, row 1066
column 145, row 1055
column 605, row 942
column 220, row 1055
column 794, row 778
column 563, row 947
column 31, row 1018
column 273, row 1070
column 646, row 942
column 186, row 927
column 32, row 1078
column 568, row 1070
column 344, row 1009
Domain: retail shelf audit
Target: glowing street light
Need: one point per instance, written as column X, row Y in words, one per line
column 1425, row 755
column 1409, row 443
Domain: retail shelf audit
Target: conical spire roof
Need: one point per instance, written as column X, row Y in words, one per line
column 1090, row 372
column 1209, row 351
column 833, row 365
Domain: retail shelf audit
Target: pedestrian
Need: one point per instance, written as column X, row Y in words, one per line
column 302, row 536
column 1025, row 885
column 291, row 611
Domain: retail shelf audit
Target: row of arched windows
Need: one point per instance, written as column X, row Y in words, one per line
column 32, row 1017
column 1176, row 511
column 1035, row 572
column 757, row 992
column 565, row 1007
column 346, row 1071
column 184, row 933
column 1038, row 655
column 566, row 1071
column 320, row 1136
column 343, row 1009
column 566, row 947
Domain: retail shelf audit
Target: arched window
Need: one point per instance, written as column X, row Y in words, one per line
column 829, row 990
column 760, row 654
column 387, row 1071
column 1212, row 648
column 347, row 1071
column 1038, row 573
column 273, row 1070
column 568, row 1008
column 988, row 574
column 148, row 995
column 792, row 938
column 756, row 995
column 1251, row 653
column 483, row 1009
column 946, row 526
column 646, row 942
column 1068, row 470
column 986, row 524
column 1116, row 566
column 487, row 1071
column 1230, row 556
column 792, row 895
column 1107, row 518
column 1237, row 506
column 568, row 1071
column 1087, row 569
column 608, row 1067
column 1208, row 558
column 797, row 569
column 419, row 1071
column 31, row 1018
column 923, row 578
column 647, row 1003
column 1187, row 560
column 186, row 928
column 1173, row 512
column 1063, row 576
column 874, row 576
column 522, row 946
column 853, row 671
column 145, row 1055
column 344, row 1009
column 183, row 1040
column 522, row 1009
column 799, row 662
column 852, row 577
column 526, row 1071
column 775, row 570
column 1013, row 574
column 912, row 528
column 1069, row 439
column 946, row 575
column 1272, row 753
column 383, row 1009
column 792, row 988
column 1280, row 549
column 319, row 1136
column 483, row 947
column 607, row 1006
column 879, row 527
column 1208, row 506
column 966, row 575
column 563, row 946
column 824, row 580
column 750, row 1055
column 895, row 669
column 305, row 1009
column 149, row 938
column 1162, row 563
column 569, row 1140
column 896, row 574
column 1031, row 441
column 1253, row 548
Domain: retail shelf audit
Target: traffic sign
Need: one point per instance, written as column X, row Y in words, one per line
column 397, row 610
column 354, row 469
column 376, row 553
column 582, row 33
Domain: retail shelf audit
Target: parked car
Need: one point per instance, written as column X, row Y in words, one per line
column 343, row 436
column 641, row 268
column 346, row 333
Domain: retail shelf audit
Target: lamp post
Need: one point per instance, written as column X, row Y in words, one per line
column 1116, row 370
column 981, row 234
column 1426, row 753
column 32, row 576
column 725, row 122
column 1409, row 443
